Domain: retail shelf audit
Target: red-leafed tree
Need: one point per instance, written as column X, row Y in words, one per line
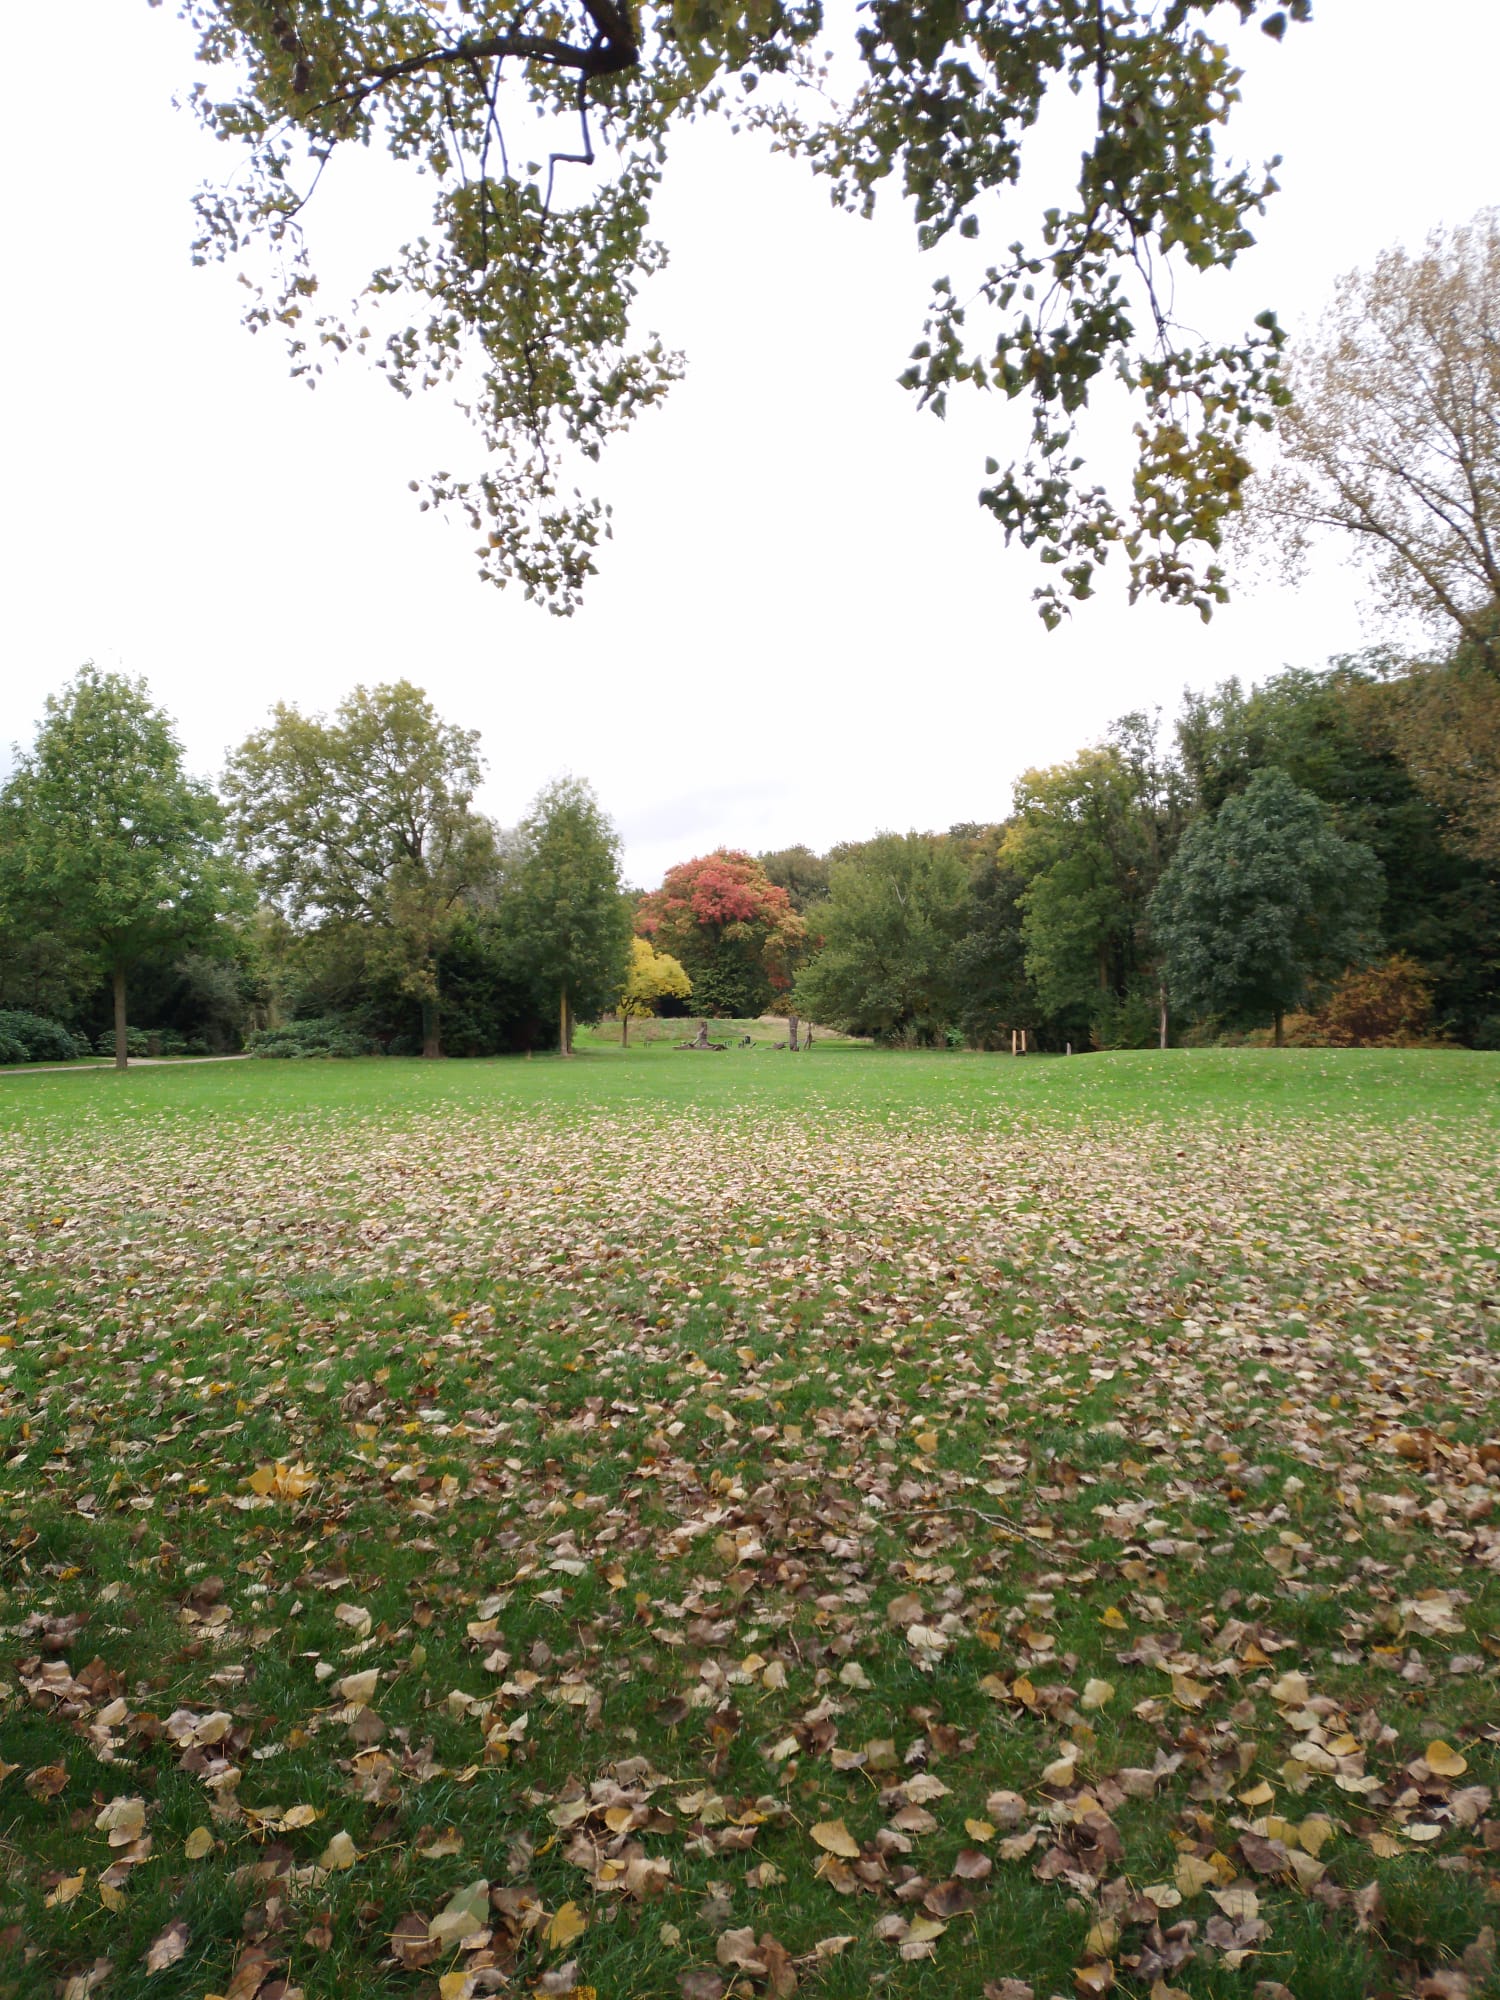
column 732, row 928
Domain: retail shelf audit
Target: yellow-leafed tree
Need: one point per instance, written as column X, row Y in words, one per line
column 653, row 976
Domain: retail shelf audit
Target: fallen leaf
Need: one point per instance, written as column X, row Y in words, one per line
column 466, row 1911
column 168, row 1946
column 567, row 1923
column 835, row 1837
column 339, row 1853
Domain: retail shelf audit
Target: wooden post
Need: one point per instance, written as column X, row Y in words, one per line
column 1013, row 1041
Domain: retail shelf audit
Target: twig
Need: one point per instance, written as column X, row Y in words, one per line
column 992, row 1520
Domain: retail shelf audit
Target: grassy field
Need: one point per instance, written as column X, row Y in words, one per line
column 671, row 1525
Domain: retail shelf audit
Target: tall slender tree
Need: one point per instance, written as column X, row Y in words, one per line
column 566, row 907
column 105, row 841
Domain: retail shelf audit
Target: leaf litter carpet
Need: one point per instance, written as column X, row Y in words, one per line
column 624, row 1554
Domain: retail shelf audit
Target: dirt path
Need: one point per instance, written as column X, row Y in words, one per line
column 136, row 1062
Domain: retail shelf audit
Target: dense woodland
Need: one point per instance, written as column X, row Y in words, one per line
column 1292, row 861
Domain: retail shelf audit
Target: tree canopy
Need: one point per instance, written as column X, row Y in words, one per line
column 896, row 912
column 566, row 908
column 106, row 844
column 1261, row 901
column 522, row 294
column 732, row 928
column 653, row 976
column 1080, row 844
column 367, row 820
column 1392, row 437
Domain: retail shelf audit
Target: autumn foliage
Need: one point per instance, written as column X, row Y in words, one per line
column 730, row 925
column 1385, row 1006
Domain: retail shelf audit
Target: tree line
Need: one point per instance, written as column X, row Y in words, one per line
column 1288, row 860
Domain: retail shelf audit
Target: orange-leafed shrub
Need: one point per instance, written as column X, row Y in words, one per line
column 1378, row 1006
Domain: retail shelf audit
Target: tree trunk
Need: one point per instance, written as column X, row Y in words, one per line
column 122, row 1048
column 792, row 1025
column 624, row 1031
column 562, row 1025
column 1162, row 995
column 1280, row 1029
column 432, row 1037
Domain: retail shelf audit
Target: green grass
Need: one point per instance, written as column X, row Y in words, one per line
column 669, row 1377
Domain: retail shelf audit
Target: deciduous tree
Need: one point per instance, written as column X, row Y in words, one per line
column 565, row 906
column 803, row 874
column 653, row 976
column 733, row 929
column 1445, row 722
column 1081, row 841
column 522, row 292
column 896, row 912
column 1392, row 438
column 368, row 820
column 106, row 844
column 1261, row 902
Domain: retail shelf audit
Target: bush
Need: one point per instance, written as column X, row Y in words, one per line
column 1386, row 1006
column 1126, row 1021
column 326, row 1037
column 41, row 1039
column 11, row 1049
column 137, row 1042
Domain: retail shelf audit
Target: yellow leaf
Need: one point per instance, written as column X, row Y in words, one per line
column 835, row 1837
column 198, row 1843
column 1258, row 1795
column 456, row 1986
column 1193, row 1875
column 360, row 1687
column 339, row 1853
column 1097, row 1693
column 66, row 1889
column 568, row 1923
column 124, row 1820
column 1188, row 1693
column 927, row 1441
column 1445, row 1760
column 979, row 1829
column 1382, row 1845
column 1112, row 1617
column 1239, row 1905
column 1315, row 1833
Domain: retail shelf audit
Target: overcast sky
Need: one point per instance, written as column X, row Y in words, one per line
column 805, row 628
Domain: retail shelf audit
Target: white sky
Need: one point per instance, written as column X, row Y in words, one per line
column 805, row 628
